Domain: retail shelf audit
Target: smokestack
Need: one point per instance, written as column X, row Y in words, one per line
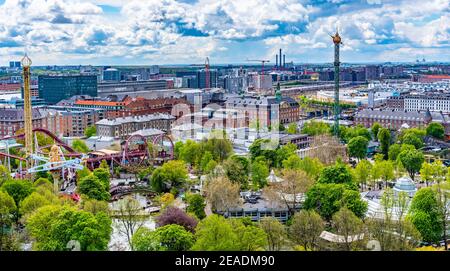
column 284, row 61
column 276, row 61
column 280, row 58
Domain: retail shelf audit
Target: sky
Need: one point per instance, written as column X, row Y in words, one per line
column 147, row 32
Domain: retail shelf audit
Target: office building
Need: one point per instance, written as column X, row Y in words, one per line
column 15, row 64
column 111, row 74
column 56, row 88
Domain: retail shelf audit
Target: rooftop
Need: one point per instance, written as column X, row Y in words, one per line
column 129, row 119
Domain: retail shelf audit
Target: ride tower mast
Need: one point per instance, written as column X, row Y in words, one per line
column 337, row 42
column 28, row 118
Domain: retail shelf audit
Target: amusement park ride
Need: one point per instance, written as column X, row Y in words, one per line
column 61, row 161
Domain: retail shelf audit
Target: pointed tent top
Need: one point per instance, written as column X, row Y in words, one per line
column 26, row 61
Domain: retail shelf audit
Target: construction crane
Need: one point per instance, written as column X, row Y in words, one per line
column 207, row 85
column 26, row 64
column 207, row 72
column 262, row 67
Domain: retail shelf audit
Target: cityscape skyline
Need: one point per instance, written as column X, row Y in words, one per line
column 102, row 32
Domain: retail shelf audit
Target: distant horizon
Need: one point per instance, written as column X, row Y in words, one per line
column 240, row 64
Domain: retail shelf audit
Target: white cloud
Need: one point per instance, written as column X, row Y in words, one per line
column 174, row 31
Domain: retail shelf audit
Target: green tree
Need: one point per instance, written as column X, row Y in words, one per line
column 412, row 161
column 427, row 172
column 92, row 187
column 357, row 147
column 83, row 173
column 214, row 233
column 210, row 166
column 190, row 152
column 236, row 172
column 394, row 151
column 145, row 239
column 292, row 162
column 384, row 170
column 292, row 129
column 338, row 174
column 436, row 130
column 328, row 198
column 95, row 206
column 312, row 166
column 172, row 173
column 79, row 146
column 375, row 129
column 41, row 181
column 54, row 226
column 347, row 224
column 196, row 205
column 424, row 214
column 174, row 237
column 33, row 202
column 306, row 228
column 284, row 152
column 5, row 175
column 363, row 172
column 384, row 137
column 260, row 172
column 90, row 131
column 104, row 176
column 314, row 128
column 265, row 148
column 412, row 139
column 18, row 190
column 249, row 236
column 219, row 145
column 206, row 158
column 275, row 233
column 7, row 209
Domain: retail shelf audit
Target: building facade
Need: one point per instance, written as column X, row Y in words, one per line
column 267, row 110
column 12, row 120
column 56, row 88
column 392, row 119
column 432, row 102
column 125, row 126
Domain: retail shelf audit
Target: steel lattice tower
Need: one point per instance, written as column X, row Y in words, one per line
column 337, row 42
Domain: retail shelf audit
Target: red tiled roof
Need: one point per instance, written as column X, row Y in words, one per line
column 437, row 76
column 105, row 103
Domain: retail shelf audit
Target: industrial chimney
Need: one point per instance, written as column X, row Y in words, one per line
column 280, row 58
column 284, row 61
column 276, row 61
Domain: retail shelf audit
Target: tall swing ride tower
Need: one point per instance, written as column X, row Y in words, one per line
column 337, row 42
column 26, row 64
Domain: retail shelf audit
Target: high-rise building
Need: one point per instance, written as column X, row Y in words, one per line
column 372, row 72
column 201, row 78
column 56, row 88
column 15, row 64
column 111, row 74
